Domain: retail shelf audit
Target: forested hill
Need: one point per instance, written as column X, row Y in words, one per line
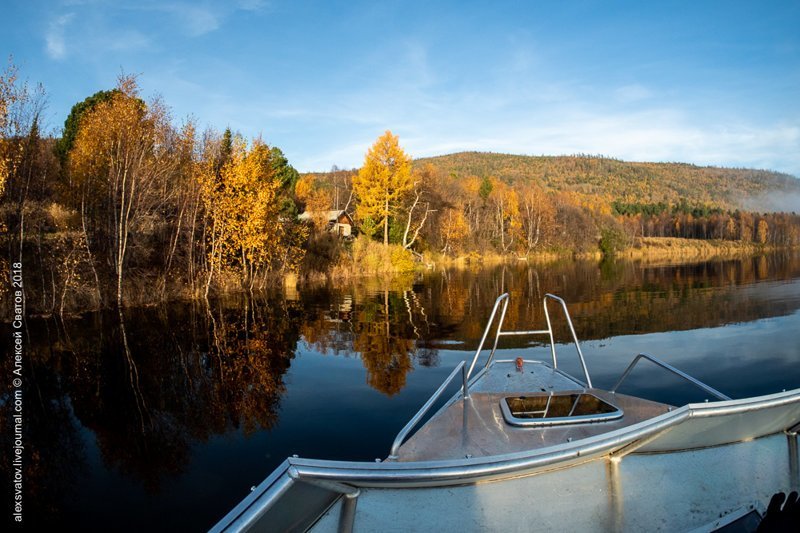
column 729, row 188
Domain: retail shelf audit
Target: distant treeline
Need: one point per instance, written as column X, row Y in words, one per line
column 706, row 222
column 473, row 214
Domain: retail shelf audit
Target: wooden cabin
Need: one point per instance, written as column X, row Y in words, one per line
column 338, row 222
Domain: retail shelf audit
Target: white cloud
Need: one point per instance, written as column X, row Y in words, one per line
column 517, row 106
column 651, row 135
column 55, row 45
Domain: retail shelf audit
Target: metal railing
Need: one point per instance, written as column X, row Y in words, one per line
column 670, row 368
column 467, row 372
column 425, row 408
column 503, row 298
column 571, row 329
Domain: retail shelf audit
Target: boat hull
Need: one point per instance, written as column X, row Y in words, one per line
column 677, row 491
column 676, row 471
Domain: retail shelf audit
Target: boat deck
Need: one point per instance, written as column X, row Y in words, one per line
column 476, row 428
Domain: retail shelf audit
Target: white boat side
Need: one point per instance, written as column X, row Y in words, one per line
column 755, row 463
column 676, row 471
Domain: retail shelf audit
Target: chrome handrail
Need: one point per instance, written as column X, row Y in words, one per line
column 571, row 329
column 424, row 409
column 502, row 298
column 669, row 368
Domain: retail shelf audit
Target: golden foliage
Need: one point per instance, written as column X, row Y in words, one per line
column 8, row 96
column 454, row 230
column 538, row 215
column 240, row 203
column 505, row 201
column 110, row 136
column 382, row 181
column 119, row 163
column 762, row 229
column 612, row 179
column 318, row 200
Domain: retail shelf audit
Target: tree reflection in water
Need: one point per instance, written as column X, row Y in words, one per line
column 148, row 384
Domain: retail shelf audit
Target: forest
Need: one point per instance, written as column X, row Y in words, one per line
column 126, row 205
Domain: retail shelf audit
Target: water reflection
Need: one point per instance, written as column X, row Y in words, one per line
column 147, row 385
column 179, row 407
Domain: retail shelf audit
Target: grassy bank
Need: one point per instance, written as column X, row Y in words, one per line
column 671, row 248
column 491, row 258
column 648, row 249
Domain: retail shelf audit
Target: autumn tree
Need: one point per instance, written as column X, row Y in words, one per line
column 7, row 98
column 419, row 204
column 21, row 142
column 383, row 181
column 245, row 231
column 449, row 227
column 745, row 226
column 121, row 154
column 180, row 215
column 453, row 229
column 22, row 160
column 538, row 216
column 762, row 230
column 317, row 198
column 70, row 132
column 505, row 202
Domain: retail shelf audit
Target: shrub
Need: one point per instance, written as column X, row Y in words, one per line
column 612, row 240
column 370, row 257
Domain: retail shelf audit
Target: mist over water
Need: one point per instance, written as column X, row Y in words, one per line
column 165, row 418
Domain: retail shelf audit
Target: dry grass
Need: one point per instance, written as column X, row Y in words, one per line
column 371, row 258
column 674, row 248
column 648, row 249
column 491, row 258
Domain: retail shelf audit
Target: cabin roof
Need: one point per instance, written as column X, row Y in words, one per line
column 330, row 216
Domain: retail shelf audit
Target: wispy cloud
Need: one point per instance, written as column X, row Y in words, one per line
column 198, row 20
column 533, row 117
column 632, row 93
column 128, row 40
column 522, row 89
column 252, row 5
column 440, row 126
column 55, row 45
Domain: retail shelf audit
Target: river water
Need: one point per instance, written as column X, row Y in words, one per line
column 164, row 417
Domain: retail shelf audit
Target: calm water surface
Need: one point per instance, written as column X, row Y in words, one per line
column 164, row 417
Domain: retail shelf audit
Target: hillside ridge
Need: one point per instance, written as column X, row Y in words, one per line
column 646, row 182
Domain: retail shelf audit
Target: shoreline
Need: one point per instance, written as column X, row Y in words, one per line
column 647, row 250
column 692, row 250
column 643, row 249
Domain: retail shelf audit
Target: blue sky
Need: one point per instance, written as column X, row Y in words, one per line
column 701, row 82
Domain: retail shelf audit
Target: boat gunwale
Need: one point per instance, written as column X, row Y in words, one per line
column 467, row 470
